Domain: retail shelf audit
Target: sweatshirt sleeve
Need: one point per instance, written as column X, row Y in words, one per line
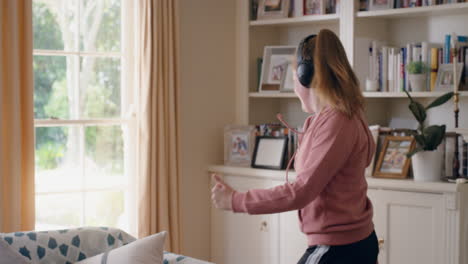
column 325, row 155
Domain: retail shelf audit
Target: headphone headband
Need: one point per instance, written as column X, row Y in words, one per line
column 305, row 64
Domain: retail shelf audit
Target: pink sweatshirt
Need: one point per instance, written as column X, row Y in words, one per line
column 330, row 190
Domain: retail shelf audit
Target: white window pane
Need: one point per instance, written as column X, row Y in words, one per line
column 55, row 24
column 54, row 79
column 104, row 160
column 57, row 211
column 58, row 159
column 100, row 87
column 106, row 209
column 100, row 25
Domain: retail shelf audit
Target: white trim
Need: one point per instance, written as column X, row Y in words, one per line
column 62, row 122
column 41, row 52
column 84, row 190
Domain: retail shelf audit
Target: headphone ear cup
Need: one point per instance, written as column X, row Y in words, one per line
column 305, row 73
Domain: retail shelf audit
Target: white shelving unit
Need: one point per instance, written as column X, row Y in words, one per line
column 366, row 94
column 440, row 10
column 297, row 20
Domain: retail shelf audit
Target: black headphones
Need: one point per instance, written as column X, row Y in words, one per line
column 305, row 64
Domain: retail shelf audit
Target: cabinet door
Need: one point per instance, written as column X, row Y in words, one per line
column 243, row 238
column 292, row 242
column 379, row 220
column 411, row 225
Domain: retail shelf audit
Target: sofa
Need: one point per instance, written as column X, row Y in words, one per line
column 68, row 246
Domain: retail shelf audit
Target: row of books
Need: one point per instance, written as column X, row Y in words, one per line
column 364, row 4
column 388, row 65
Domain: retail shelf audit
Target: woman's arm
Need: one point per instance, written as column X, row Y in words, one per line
column 326, row 154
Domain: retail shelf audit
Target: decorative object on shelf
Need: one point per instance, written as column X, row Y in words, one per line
column 287, row 83
column 451, row 166
column 417, row 75
column 314, row 7
column 375, row 135
column 380, row 4
column 259, row 70
column 270, row 153
column 363, row 5
column 253, row 9
column 272, row 9
column 445, row 77
column 427, row 160
column 393, row 162
column 275, row 63
column 238, row 145
column 298, row 8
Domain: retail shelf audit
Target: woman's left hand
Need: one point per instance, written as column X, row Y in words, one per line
column 221, row 194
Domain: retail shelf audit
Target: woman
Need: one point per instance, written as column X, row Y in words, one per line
column 334, row 150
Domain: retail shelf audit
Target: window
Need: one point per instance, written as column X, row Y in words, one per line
column 83, row 120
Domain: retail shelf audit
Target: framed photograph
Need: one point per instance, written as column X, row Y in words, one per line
column 270, row 153
column 287, row 84
column 271, row 9
column 444, row 81
column 314, row 7
column 393, row 162
column 274, row 67
column 238, row 145
column 381, row 4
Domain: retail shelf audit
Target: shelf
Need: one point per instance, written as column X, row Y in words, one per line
column 366, row 94
column 403, row 95
column 439, row 10
column 296, row 20
column 272, row 95
column 373, row 183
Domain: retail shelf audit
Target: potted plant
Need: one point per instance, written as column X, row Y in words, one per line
column 425, row 158
column 417, row 75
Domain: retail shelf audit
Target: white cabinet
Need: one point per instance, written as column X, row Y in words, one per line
column 255, row 239
column 409, row 226
column 417, row 223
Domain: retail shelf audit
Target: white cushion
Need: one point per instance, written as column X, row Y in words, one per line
column 9, row 256
column 148, row 250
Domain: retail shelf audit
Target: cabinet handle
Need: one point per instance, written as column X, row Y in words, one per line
column 263, row 226
column 381, row 243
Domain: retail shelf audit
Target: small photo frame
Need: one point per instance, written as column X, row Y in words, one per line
column 270, row 153
column 273, row 9
column 287, row 84
column 444, row 81
column 393, row 162
column 314, row 7
column 238, row 145
column 380, row 4
column 274, row 68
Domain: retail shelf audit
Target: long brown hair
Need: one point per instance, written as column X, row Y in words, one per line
column 334, row 80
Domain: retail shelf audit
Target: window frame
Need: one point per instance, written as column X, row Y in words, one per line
column 128, row 118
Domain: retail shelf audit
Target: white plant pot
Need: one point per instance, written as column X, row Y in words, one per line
column 418, row 82
column 427, row 166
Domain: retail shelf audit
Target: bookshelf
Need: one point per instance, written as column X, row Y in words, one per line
column 356, row 29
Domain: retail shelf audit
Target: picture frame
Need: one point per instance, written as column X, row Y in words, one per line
column 270, row 153
column 239, row 142
column 393, row 162
column 314, row 7
column 381, row 4
column 274, row 67
column 444, row 81
column 287, row 83
column 273, row 9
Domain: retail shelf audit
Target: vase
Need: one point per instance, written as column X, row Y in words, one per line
column 427, row 166
column 418, row 82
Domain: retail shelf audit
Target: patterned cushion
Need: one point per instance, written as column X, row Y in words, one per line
column 148, row 250
column 9, row 256
column 171, row 258
column 65, row 246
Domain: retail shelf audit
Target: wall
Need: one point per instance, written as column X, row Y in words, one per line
column 207, row 84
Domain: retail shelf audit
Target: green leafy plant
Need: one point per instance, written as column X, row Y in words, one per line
column 417, row 67
column 427, row 138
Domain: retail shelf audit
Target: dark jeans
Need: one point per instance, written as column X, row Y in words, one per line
column 361, row 252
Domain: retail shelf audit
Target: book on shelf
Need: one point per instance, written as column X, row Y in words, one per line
column 388, row 65
column 364, row 4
